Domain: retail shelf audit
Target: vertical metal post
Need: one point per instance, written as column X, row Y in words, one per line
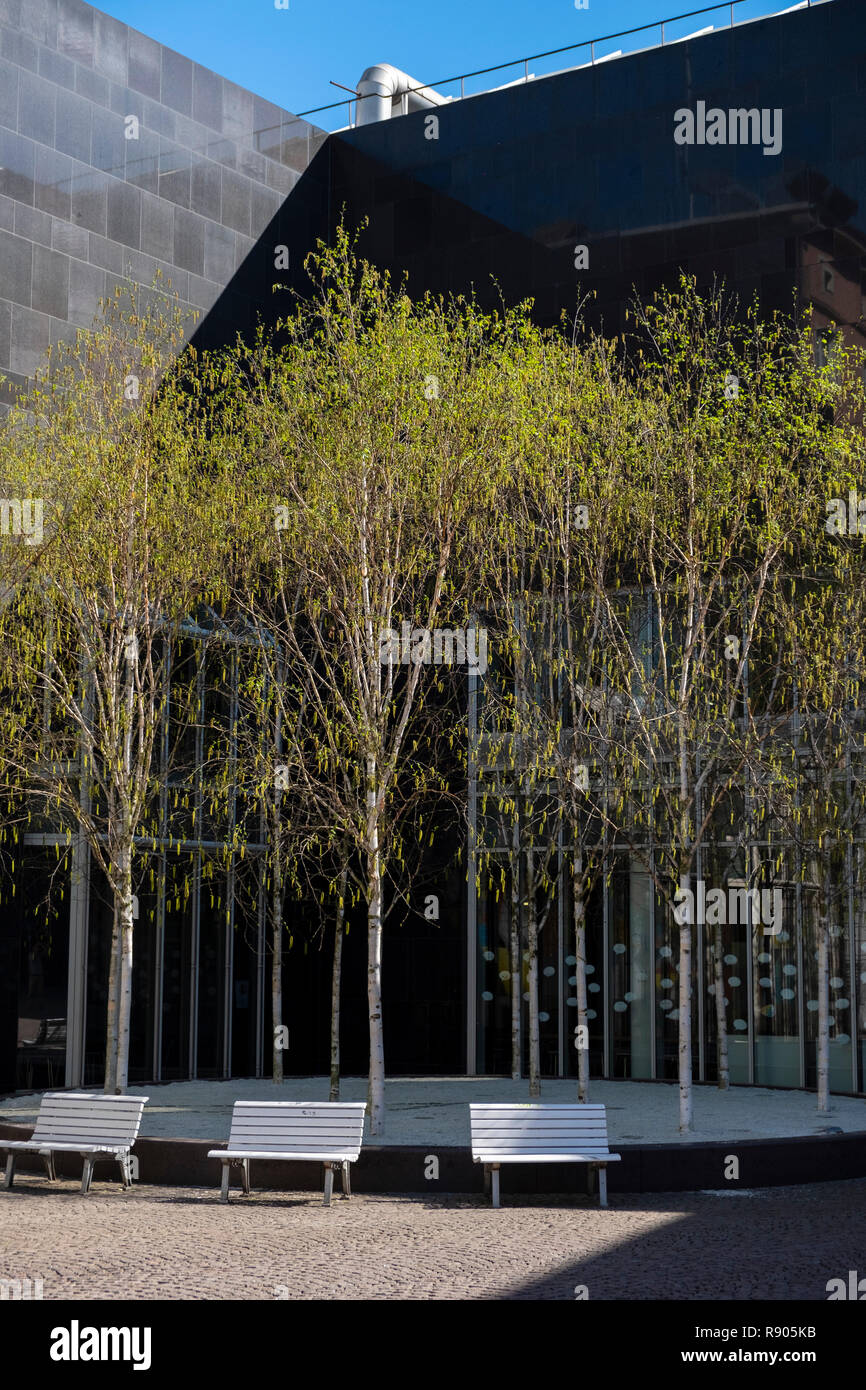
column 471, row 891
column 700, row 952
column 260, row 970
column 663, row 33
column 197, row 874
column 228, row 988
column 607, row 882
column 162, row 877
column 76, row 1007
column 592, row 51
column 526, row 69
column 79, row 924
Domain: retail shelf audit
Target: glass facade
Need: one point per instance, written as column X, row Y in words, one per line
column 515, row 181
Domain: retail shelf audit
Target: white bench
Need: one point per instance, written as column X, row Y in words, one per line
column 326, row 1132
column 92, row 1124
column 540, row 1134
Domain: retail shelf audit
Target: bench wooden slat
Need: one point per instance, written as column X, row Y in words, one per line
column 330, row 1133
column 554, row 1158
column 594, row 1112
column 94, row 1125
column 503, row 1134
column 331, row 1156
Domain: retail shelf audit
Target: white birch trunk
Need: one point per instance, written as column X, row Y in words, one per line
column 277, row 963
column 532, row 933
column 685, row 1019
column 124, row 1011
column 580, row 981
column 334, row 1092
column 376, row 1088
column 514, row 954
column 111, row 1012
column 721, row 1020
column 823, row 1043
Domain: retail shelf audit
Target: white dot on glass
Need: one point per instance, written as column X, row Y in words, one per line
column 590, row 969
column 629, row 997
column 788, row 994
column 619, row 949
column 571, row 1002
column 485, row 994
column 488, row 955
column 836, row 982
column 549, row 970
column 591, row 1013
column 571, row 960
column 666, row 1004
column 768, row 1010
column 665, row 951
column 734, row 981
column 674, row 1013
column 667, row 982
column 841, row 1038
column 764, row 958
column 543, row 1018
column 784, row 936
column 594, row 989
column 572, row 979
column 620, row 1007
column 840, row 1004
column 765, row 982
column 789, row 969
column 504, row 975
column 730, row 960
column 811, row 1005
column 740, row 1024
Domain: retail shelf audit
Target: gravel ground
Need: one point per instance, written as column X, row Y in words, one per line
column 425, row 1110
column 182, row 1244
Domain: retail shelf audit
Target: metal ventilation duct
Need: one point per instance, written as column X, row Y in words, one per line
column 387, row 92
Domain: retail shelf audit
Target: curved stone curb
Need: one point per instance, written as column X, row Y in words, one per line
column 681, row 1167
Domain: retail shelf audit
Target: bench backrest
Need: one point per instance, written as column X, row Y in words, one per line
column 71, row 1117
column 290, row 1126
column 538, row 1129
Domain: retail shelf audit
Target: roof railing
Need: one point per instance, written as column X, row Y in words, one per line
column 660, row 24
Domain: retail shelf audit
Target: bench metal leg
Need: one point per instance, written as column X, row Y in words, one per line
column 10, row 1171
column 123, row 1164
column 329, row 1185
column 224, row 1189
column 87, row 1176
column 602, row 1187
column 48, row 1160
column 495, row 1185
column 347, row 1181
column 245, row 1175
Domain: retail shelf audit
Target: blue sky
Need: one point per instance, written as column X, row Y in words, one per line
column 289, row 56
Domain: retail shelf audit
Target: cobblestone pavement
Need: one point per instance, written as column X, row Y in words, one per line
column 181, row 1243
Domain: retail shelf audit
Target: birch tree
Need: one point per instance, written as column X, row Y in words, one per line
column 716, row 492
column 105, row 443
column 372, row 425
